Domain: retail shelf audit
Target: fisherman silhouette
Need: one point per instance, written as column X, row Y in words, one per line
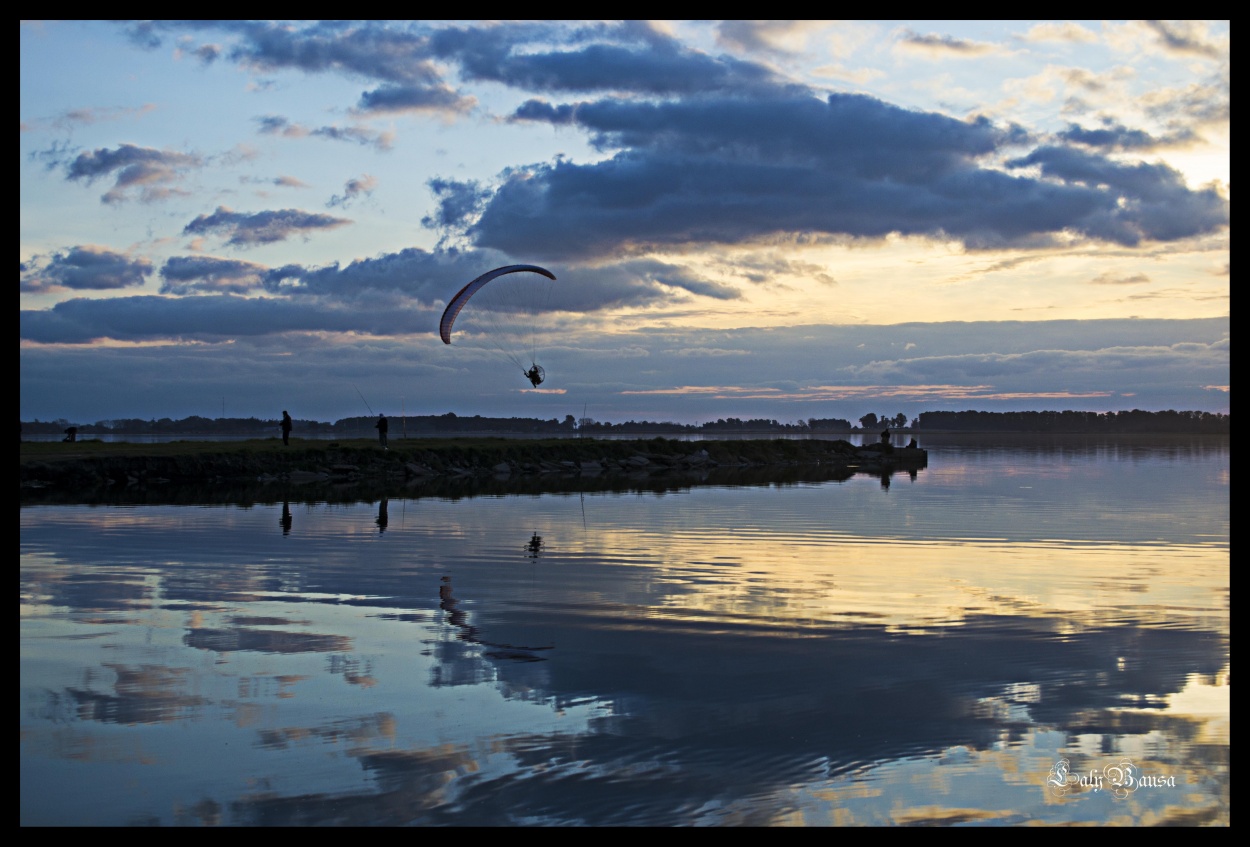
column 286, row 427
column 382, row 426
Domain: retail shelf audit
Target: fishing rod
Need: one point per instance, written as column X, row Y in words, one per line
column 363, row 400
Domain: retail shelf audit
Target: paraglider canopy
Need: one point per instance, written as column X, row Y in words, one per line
column 462, row 297
column 507, row 315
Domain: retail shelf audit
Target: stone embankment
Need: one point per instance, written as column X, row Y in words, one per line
column 93, row 465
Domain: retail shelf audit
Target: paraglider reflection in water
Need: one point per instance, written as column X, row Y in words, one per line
column 513, row 308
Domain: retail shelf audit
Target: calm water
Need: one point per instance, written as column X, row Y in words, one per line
column 987, row 644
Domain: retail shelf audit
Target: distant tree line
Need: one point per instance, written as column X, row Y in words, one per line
column 417, row 425
column 1069, row 421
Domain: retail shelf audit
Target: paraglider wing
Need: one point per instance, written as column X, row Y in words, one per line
column 458, row 302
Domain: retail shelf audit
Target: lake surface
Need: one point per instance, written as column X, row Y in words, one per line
column 1027, row 632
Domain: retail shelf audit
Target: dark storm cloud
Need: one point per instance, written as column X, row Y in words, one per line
column 148, row 172
column 206, row 274
column 262, row 227
column 83, row 268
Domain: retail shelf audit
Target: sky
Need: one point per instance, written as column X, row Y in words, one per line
column 746, row 219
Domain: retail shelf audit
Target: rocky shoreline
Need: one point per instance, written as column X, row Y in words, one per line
column 90, row 470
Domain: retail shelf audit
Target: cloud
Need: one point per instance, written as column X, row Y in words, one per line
column 362, row 135
column 354, row 188
column 278, row 125
column 1060, row 31
column 1109, row 278
column 83, row 268
column 642, row 61
column 945, row 46
column 781, row 37
column 204, row 274
column 720, row 170
column 1151, row 201
column 143, row 170
column 89, row 116
column 357, row 135
column 458, row 203
column 411, row 98
column 1116, row 136
column 402, row 293
column 208, row 318
column 263, row 227
column 390, row 53
column 783, row 373
column 1185, row 37
column 206, row 53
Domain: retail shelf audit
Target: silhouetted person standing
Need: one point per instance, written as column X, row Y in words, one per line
column 286, row 427
column 382, row 426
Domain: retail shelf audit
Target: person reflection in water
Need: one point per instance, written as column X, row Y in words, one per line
column 383, row 517
column 455, row 616
column 535, row 546
column 286, row 518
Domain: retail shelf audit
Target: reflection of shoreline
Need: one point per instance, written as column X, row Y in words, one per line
column 457, row 618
